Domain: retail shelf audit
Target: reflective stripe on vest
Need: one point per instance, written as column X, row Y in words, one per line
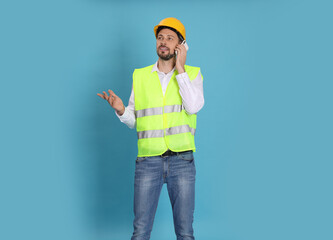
column 158, row 110
column 168, row 131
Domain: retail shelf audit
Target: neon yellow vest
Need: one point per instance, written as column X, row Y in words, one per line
column 161, row 121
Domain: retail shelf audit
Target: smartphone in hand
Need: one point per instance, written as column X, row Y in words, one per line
column 185, row 44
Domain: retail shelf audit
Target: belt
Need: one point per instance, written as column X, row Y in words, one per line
column 170, row 153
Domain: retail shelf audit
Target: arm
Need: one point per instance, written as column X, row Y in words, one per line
column 128, row 116
column 191, row 92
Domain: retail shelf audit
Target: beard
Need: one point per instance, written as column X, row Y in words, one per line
column 165, row 57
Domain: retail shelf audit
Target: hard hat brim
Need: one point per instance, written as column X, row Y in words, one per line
column 157, row 26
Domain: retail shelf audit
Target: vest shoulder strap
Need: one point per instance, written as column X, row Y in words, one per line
column 192, row 71
column 143, row 70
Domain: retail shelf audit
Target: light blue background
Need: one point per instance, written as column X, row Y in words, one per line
column 264, row 137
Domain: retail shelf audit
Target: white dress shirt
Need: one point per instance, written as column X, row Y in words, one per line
column 190, row 91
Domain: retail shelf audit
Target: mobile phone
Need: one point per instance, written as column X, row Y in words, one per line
column 185, row 44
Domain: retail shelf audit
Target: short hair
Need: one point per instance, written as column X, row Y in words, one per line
column 178, row 34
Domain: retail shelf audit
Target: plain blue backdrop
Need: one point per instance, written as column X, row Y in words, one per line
column 264, row 136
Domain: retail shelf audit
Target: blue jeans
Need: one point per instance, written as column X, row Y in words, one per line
column 178, row 172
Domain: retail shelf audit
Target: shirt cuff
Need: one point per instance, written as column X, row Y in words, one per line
column 123, row 117
column 182, row 76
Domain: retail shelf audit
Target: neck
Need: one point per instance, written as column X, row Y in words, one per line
column 166, row 66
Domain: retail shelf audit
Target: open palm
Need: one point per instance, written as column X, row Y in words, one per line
column 114, row 101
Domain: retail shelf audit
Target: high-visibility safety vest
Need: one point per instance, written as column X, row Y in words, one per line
column 161, row 121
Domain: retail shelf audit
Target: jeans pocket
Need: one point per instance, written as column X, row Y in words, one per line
column 140, row 159
column 188, row 155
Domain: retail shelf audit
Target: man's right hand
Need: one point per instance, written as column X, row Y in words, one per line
column 114, row 101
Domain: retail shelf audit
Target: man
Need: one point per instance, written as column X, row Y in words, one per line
column 163, row 107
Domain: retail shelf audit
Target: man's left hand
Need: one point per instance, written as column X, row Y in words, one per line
column 181, row 58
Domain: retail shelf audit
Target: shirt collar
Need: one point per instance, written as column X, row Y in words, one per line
column 156, row 69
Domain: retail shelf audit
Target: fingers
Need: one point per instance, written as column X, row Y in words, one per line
column 181, row 48
column 102, row 96
column 110, row 98
column 112, row 93
column 106, row 96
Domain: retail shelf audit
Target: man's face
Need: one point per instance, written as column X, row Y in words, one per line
column 166, row 42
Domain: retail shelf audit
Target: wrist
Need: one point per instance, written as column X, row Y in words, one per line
column 181, row 70
column 121, row 112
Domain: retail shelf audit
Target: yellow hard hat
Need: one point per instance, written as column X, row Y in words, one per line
column 174, row 23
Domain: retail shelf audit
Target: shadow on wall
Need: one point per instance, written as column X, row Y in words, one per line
column 107, row 146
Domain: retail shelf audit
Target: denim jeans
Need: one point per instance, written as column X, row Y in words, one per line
column 178, row 172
